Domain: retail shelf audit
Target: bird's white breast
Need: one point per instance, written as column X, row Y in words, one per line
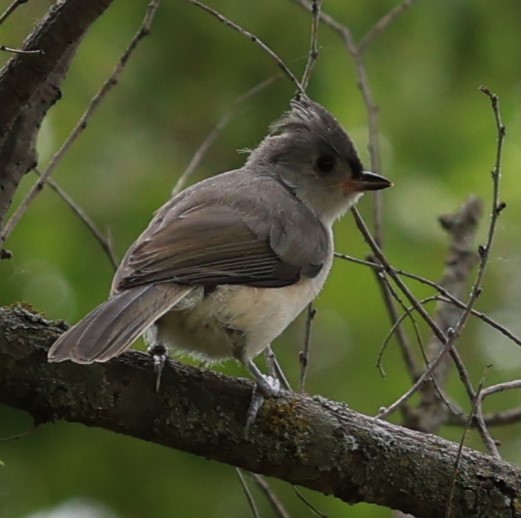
column 258, row 315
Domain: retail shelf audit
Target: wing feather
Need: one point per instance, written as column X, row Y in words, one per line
column 220, row 244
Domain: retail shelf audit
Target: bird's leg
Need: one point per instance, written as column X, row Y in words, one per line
column 274, row 368
column 266, row 386
column 159, row 355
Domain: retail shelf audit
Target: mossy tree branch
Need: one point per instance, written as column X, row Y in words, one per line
column 304, row 440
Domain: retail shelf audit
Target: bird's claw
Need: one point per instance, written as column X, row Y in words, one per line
column 159, row 355
column 267, row 386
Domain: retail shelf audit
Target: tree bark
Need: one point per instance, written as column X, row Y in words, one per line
column 30, row 85
column 305, row 440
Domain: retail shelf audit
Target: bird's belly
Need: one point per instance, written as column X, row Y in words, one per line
column 237, row 321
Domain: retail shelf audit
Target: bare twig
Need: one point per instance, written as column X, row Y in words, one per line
column 273, row 55
column 484, row 252
column 248, row 494
column 212, row 136
column 497, row 206
column 19, row 51
column 446, row 340
column 480, row 418
column 10, row 9
column 397, row 330
column 310, row 506
column 273, row 499
column 461, row 226
column 395, row 277
column 500, row 387
column 94, row 230
column 82, row 123
column 407, row 313
column 304, row 354
column 447, row 295
column 382, row 24
column 499, row 418
column 316, row 5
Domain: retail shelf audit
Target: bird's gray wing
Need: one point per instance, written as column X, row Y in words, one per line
column 211, row 245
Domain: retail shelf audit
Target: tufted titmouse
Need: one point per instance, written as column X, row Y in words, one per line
column 227, row 264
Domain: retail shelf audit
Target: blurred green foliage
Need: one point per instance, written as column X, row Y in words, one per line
column 438, row 142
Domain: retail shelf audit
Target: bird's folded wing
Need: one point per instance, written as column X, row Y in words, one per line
column 221, row 245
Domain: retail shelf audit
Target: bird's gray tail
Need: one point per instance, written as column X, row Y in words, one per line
column 111, row 328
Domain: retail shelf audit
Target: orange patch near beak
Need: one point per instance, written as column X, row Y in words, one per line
column 367, row 182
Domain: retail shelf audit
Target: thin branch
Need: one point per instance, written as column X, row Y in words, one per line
column 273, row 499
column 497, row 206
column 461, row 226
column 82, row 123
column 104, row 241
column 398, row 281
column 275, row 57
column 212, row 136
column 247, row 493
column 484, row 252
column 447, row 295
column 316, row 6
column 10, row 9
column 19, row 51
column 499, row 418
column 501, row 387
column 308, row 504
column 304, row 354
column 382, row 24
column 407, row 313
column 397, row 330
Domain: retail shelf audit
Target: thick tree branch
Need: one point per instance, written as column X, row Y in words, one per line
column 305, row 440
column 29, row 85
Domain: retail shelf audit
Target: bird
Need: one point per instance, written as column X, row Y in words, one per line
column 227, row 264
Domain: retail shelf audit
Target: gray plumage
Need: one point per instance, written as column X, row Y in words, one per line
column 227, row 264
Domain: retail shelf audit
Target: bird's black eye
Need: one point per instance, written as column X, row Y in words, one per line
column 325, row 163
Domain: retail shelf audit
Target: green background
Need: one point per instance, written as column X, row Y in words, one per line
column 438, row 142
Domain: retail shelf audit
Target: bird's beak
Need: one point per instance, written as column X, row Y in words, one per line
column 366, row 182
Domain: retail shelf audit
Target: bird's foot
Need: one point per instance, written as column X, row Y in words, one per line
column 266, row 386
column 159, row 355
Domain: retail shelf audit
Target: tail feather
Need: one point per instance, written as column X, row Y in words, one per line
column 111, row 328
